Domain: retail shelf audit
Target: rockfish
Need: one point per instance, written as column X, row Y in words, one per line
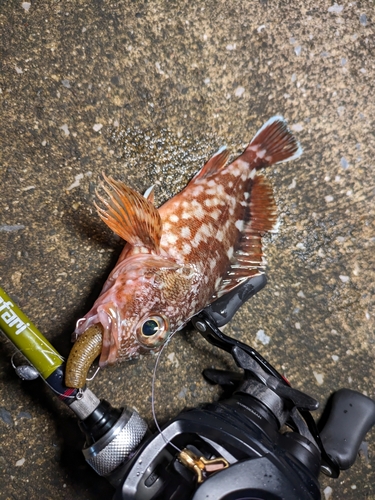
column 178, row 258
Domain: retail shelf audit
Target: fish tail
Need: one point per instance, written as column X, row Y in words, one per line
column 273, row 143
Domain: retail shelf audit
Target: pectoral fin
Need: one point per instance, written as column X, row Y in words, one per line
column 130, row 215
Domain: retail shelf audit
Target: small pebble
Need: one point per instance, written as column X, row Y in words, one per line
column 262, row 337
column 10, row 229
column 6, row 416
column 239, row 91
column 328, row 493
column 97, row 127
column 319, row 377
column 65, row 129
column 26, row 5
column 297, row 127
column 20, row 463
column 344, row 163
column 182, row 393
column 329, row 198
column 363, row 19
column 336, row 8
column 343, row 278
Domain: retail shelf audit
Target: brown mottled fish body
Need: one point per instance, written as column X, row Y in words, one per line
column 199, row 245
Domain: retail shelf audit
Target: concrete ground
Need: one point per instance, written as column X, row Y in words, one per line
column 146, row 92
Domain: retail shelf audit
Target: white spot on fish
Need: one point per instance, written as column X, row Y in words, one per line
column 246, row 195
column 186, row 249
column 197, row 191
column 185, row 232
column 261, row 154
column 252, row 173
column 212, row 264
column 219, row 235
column 230, row 253
column 171, row 238
column 211, row 183
column 174, row 218
column 215, row 214
column 217, row 282
column 206, row 229
column 185, row 215
column 239, row 224
column 197, row 239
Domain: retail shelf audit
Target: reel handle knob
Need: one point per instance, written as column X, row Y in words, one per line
column 351, row 416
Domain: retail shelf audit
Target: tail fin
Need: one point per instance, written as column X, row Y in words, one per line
column 273, row 143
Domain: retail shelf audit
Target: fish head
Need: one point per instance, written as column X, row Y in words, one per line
column 149, row 299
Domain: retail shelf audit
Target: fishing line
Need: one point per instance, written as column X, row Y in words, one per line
column 153, row 393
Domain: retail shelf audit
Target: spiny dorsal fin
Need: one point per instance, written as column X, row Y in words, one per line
column 214, row 164
column 149, row 194
column 130, row 215
column 260, row 217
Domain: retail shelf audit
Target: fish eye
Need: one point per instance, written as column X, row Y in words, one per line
column 153, row 330
column 151, row 326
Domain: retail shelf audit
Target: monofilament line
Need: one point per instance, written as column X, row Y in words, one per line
column 153, row 393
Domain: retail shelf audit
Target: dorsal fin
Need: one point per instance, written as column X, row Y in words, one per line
column 260, row 216
column 130, row 215
column 149, row 194
column 214, row 164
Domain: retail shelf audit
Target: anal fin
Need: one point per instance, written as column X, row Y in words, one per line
column 260, row 217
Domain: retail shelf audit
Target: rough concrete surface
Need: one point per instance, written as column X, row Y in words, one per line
column 146, row 92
